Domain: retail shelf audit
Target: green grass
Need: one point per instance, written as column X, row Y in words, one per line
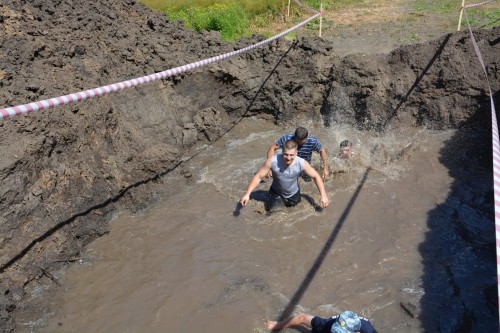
column 314, row 24
column 230, row 19
column 252, row 8
column 440, row 6
column 486, row 16
column 483, row 18
column 335, row 4
column 235, row 18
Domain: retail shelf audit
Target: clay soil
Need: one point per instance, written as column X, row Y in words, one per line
column 65, row 172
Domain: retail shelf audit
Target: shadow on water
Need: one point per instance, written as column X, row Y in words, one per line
column 459, row 274
column 459, row 279
column 313, row 203
column 237, row 209
column 259, row 195
column 309, row 277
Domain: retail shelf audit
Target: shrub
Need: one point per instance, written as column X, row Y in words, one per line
column 230, row 19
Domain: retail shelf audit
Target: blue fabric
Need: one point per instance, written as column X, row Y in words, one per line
column 347, row 322
column 304, row 151
column 324, row 325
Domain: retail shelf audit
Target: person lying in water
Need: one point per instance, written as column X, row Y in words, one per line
column 286, row 169
column 346, row 322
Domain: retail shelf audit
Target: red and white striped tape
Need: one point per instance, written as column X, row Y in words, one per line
column 496, row 157
column 305, row 7
column 479, row 4
column 100, row 91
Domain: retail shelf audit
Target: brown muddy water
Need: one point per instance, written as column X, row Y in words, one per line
column 196, row 262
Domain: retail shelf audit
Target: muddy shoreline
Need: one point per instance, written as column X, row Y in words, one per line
column 65, row 172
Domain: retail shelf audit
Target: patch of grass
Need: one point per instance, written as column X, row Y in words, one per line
column 233, row 19
column 251, row 7
column 486, row 18
column 230, row 19
column 439, row 7
column 340, row 4
column 67, row 135
column 262, row 20
column 291, row 36
column 414, row 37
column 314, row 24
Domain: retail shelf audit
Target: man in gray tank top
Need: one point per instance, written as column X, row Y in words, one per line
column 286, row 169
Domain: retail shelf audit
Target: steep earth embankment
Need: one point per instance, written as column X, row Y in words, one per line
column 65, row 171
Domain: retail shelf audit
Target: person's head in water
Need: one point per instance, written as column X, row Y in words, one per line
column 345, row 149
column 289, row 151
column 300, row 135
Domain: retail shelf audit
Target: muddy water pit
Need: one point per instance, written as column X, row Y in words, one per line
column 196, row 262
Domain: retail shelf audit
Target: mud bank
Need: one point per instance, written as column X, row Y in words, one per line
column 66, row 171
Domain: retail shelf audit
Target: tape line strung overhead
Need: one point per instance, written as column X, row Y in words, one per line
column 305, row 7
column 479, row 4
column 496, row 157
column 100, row 91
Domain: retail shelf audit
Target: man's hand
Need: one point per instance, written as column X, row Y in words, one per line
column 326, row 173
column 244, row 200
column 324, row 201
column 270, row 151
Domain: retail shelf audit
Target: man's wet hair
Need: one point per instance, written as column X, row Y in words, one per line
column 300, row 133
column 290, row 144
column 345, row 143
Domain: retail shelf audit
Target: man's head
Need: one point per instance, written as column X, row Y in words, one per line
column 289, row 151
column 300, row 135
column 347, row 322
column 345, row 149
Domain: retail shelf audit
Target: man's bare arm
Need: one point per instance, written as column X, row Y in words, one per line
column 324, row 158
column 309, row 170
column 263, row 171
column 270, row 151
column 300, row 319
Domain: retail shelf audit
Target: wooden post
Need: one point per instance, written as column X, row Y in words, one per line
column 461, row 13
column 321, row 18
column 288, row 15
